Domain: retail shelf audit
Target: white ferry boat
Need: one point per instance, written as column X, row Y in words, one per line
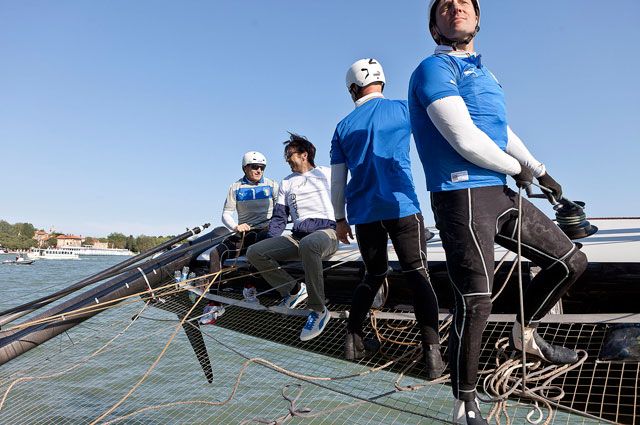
column 52, row 254
column 90, row 250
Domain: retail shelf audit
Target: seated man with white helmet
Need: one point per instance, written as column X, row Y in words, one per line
column 251, row 199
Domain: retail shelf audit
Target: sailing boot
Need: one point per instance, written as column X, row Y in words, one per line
column 534, row 344
column 468, row 412
column 356, row 347
column 432, row 360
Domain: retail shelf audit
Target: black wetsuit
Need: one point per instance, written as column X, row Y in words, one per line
column 408, row 237
column 470, row 221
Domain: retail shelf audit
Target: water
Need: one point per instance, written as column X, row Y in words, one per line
column 77, row 384
column 78, row 388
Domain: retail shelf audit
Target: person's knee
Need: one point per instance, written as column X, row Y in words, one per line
column 577, row 262
column 310, row 246
column 418, row 277
column 253, row 254
column 478, row 306
column 372, row 282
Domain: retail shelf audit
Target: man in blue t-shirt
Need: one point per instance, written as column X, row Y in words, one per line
column 372, row 144
column 459, row 123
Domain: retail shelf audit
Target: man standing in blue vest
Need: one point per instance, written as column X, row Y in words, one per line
column 459, row 123
column 372, row 144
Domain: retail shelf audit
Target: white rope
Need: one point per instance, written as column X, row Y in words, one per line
column 147, row 281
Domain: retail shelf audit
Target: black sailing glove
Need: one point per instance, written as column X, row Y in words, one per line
column 524, row 178
column 556, row 190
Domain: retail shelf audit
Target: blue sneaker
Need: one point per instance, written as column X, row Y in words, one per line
column 291, row 301
column 316, row 323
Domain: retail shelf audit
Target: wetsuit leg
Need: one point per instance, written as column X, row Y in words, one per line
column 466, row 220
column 409, row 242
column 372, row 242
column 543, row 242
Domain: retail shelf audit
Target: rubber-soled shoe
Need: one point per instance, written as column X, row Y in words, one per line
column 316, row 323
column 468, row 412
column 355, row 347
column 432, row 360
column 293, row 300
column 534, row 344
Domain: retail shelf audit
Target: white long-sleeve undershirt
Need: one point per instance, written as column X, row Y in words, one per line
column 228, row 220
column 338, row 183
column 517, row 149
column 452, row 119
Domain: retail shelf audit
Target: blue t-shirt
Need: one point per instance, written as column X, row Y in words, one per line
column 373, row 142
column 443, row 75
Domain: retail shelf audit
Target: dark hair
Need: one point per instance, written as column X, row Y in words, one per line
column 300, row 144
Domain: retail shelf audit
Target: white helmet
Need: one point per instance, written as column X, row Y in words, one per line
column 439, row 38
column 253, row 157
column 364, row 72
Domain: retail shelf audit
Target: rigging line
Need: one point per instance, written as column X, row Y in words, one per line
column 153, row 365
column 51, row 356
column 146, row 281
column 501, row 384
column 440, row 380
column 82, row 310
column 72, row 367
column 506, row 280
column 234, row 390
column 104, row 305
column 315, row 381
column 521, row 290
column 344, row 260
column 112, row 271
column 236, row 303
column 178, row 403
column 283, row 370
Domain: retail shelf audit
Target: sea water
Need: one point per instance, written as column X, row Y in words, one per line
column 113, row 366
column 93, row 386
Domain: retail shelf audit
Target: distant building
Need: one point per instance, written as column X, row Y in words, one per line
column 101, row 245
column 69, row 240
column 41, row 237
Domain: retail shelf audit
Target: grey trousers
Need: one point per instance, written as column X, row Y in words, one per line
column 311, row 249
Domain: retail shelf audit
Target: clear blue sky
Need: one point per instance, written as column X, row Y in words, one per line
column 132, row 116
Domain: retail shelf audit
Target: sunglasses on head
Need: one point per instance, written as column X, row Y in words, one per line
column 255, row 167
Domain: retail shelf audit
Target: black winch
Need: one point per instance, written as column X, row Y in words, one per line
column 570, row 215
column 572, row 219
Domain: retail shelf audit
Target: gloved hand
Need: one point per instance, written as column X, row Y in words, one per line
column 556, row 190
column 524, row 178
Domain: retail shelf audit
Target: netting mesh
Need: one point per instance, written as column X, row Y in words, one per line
column 111, row 369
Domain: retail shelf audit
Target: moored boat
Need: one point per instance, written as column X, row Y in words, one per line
column 89, row 250
column 52, row 254
column 19, row 262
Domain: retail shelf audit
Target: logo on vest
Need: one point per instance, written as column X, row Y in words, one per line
column 459, row 176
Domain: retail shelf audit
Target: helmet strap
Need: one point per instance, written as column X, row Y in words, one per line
column 441, row 39
column 354, row 91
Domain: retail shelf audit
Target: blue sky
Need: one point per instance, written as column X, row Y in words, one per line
column 133, row 116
